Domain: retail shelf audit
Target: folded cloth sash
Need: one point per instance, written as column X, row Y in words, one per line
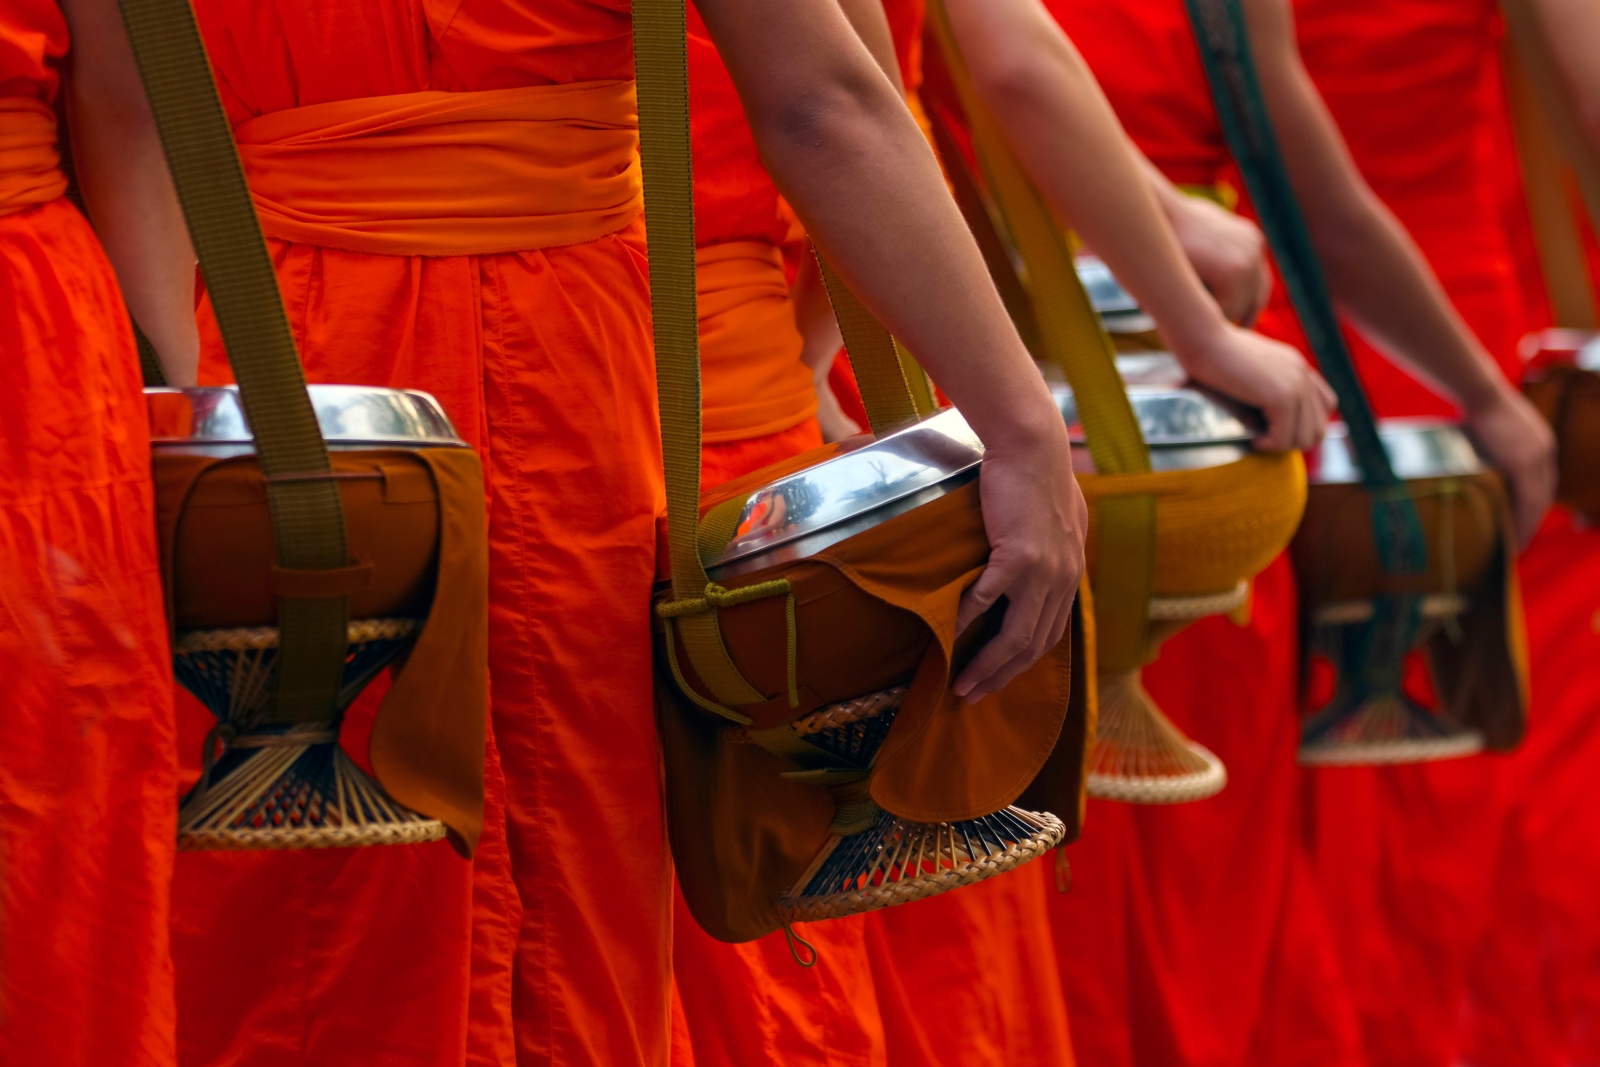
column 753, row 382
column 30, row 164
column 449, row 174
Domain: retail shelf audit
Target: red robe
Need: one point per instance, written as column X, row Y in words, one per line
column 1195, row 934
column 554, row 944
column 1532, row 998
column 88, row 766
column 1406, row 855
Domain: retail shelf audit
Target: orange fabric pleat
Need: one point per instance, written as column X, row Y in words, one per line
column 87, row 770
column 752, row 381
column 30, row 165
column 542, row 361
column 969, row 978
column 553, row 944
column 449, row 174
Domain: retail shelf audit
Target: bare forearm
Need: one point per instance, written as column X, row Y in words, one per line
column 840, row 143
column 1064, row 131
column 1572, row 28
column 127, row 188
column 1374, row 269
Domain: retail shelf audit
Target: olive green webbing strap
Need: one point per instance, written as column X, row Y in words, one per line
column 308, row 521
column 1072, row 337
column 874, row 358
column 1546, row 131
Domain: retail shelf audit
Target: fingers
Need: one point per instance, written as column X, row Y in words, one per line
column 1032, row 627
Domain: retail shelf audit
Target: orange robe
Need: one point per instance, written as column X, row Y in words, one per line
column 967, row 977
column 1406, row 855
column 1195, row 934
column 554, row 944
column 88, row 767
column 751, row 1003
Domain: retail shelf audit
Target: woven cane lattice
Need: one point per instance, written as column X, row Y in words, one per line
column 855, row 730
column 282, row 787
column 1383, row 726
column 1139, row 756
column 898, row 861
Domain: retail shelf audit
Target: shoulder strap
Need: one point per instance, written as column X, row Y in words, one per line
column 1225, row 50
column 1068, row 333
column 1551, row 147
column 308, row 520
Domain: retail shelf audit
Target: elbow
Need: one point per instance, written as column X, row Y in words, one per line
column 1014, row 84
column 825, row 117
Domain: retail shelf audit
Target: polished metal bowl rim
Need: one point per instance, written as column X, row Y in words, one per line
column 406, row 418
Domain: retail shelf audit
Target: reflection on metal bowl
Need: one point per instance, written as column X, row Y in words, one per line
column 1417, row 448
column 212, row 420
column 864, row 483
column 1119, row 312
column 1186, row 426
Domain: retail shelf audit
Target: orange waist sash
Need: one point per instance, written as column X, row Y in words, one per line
column 30, row 165
column 449, row 174
column 752, row 380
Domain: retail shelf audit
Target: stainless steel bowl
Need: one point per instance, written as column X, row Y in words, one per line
column 1186, row 426
column 1417, row 448
column 866, row 483
column 211, row 419
column 1118, row 310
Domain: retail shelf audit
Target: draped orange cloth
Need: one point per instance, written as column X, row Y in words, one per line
column 553, row 945
column 1196, row 934
column 87, row 770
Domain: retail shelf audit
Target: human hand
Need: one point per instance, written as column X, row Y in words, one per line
column 1521, row 445
column 1227, row 252
column 1036, row 520
column 1266, row 374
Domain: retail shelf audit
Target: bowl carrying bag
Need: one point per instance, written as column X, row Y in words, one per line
column 1379, row 563
column 1166, row 546
column 295, row 575
column 817, row 763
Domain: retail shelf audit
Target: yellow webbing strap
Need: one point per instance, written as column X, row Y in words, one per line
column 874, row 358
column 662, row 72
column 307, row 518
column 1071, row 336
column 1546, row 130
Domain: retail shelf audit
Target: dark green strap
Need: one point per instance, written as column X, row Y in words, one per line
column 308, row 521
column 1219, row 27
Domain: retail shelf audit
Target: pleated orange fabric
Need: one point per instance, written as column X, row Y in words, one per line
column 752, row 1003
column 87, row 770
column 968, row 977
column 1196, row 934
column 553, row 945
column 1406, row 855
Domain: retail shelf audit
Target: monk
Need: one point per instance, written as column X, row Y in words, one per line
column 1409, row 855
column 1531, row 995
column 1199, row 935
column 504, row 273
column 972, row 978
column 87, row 770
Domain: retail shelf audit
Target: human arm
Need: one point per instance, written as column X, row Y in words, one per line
column 1052, row 111
column 820, row 331
column 1380, row 278
column 839, row 142
column 1572, row 30
column 126, row 187
column 1227, row 251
